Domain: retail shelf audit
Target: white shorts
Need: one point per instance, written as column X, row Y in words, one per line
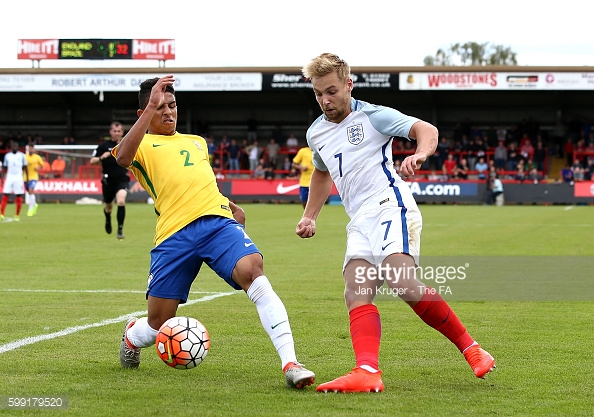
column 374, row 234
column 14, row 184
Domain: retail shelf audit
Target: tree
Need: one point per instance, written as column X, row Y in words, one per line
column 472, row 53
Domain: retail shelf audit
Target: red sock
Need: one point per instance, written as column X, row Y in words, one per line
column 19, row 203
column 3, row 204
column 366, row 333
column 436, row 312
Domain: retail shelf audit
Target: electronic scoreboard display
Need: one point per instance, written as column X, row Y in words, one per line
column 95, row 49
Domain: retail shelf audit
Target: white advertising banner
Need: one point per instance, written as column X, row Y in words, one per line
column 496, row 81
column 127, row 82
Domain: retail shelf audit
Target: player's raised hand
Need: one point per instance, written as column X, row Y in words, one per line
column 306, row 228
column 158, row 90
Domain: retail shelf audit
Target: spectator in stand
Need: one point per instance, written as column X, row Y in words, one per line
column 567, row 174
column 287, row 164
column 589, row 169
column 578, row 170
column 441, row 153
column 268, row 169
column 540, row 156
column 534, row 175
column 223, row 151
column 292, row 145
column 579, row 151
column 244, row 159
column 254, row 155
column 58, row 166
column 471, row 155
column 212, row 148
column 234, row 152
column 501, row 134
column 259, row 172
column 500, row 156
column 292, row 141
column 480, row 148
column 462, row 169
column 568, row 150
column 527, row 150
column 520, row 173
column 293, row 174
column 273, row 149
column 449, row 166
column 525, row 139
column 482, row 167
column 512, row 157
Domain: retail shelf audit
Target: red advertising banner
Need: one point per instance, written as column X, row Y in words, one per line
column 583, row 189
column 37, row 49
column 161, row 49
column 264, row 187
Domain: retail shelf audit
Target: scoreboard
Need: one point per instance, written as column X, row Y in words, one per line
column 95, row 49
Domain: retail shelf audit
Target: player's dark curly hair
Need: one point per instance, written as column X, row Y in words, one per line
column 145, row 91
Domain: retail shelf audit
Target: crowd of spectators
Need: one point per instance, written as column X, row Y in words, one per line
column 521, row 152
column 252, row 158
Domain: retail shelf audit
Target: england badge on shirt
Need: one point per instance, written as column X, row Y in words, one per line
column 355, row 134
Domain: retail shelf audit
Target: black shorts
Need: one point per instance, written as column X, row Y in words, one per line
column 110, row 190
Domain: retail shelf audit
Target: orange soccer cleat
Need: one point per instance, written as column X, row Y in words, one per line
column 479, row 360
column 358, row 380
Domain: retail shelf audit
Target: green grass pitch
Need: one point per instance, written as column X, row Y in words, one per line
column 62, row 276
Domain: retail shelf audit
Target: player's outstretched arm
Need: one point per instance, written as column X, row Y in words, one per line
column 426, row 136
column 319, row 190
column 129, row 145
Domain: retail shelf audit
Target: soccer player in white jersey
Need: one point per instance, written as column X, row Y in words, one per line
column 352, row 146
column 15, row 165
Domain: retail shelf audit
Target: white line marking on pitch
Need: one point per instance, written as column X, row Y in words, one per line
column 34, row 339
column 568, row 208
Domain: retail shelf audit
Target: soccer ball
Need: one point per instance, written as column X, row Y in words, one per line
column 182, row 342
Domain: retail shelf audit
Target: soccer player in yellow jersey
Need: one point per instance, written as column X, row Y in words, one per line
column 196, row 224
column 34, row 164
column 303, row 162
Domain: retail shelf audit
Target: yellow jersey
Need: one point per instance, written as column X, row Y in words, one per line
column 304, row 158
column 34, row 163
column 175, row 170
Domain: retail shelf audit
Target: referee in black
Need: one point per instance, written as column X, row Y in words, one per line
column 115, row 181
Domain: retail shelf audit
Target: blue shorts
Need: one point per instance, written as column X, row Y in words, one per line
column 217, row 241
column 304, row 194
column 30, row 185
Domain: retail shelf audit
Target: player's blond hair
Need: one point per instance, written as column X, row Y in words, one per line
column 325, row 64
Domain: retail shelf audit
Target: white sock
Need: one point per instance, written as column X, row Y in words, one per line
column 31, row 201
column 27, row 195
column 141, row 334
column 274, row 318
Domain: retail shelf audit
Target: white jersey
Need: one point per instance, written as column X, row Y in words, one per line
column 358, row 154
column 14, row 163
